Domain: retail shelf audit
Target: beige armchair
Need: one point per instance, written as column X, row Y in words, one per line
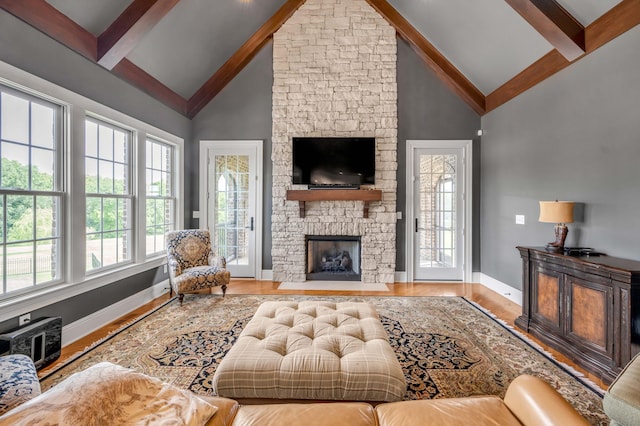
column 192, row 265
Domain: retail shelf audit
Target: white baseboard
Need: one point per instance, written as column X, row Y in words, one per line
column 400, row 276
column 505, row 290
column 266, row 275
column 82, row 327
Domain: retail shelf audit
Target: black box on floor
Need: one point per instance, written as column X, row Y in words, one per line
column 41, row 340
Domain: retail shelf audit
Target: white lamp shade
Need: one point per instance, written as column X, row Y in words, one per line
column 556, row 211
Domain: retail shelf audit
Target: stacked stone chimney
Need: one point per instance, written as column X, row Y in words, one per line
column 334, row 64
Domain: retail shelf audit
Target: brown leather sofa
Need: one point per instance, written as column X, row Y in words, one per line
column 109, row 394
column 529, row 401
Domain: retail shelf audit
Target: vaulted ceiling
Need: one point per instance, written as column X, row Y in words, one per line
column 184, row 52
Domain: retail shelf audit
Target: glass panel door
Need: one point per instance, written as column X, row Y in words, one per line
column 438, row 215
column 231, row 207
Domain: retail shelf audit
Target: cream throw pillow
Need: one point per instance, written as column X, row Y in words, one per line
column 107, row 394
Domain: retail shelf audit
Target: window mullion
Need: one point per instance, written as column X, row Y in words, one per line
column 139, row 193
column 75, row 250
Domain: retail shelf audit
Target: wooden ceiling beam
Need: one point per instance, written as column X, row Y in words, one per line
column 621, row 18
column 555, row 24
column 230, row 69
column 134, row 75
column 115, row 43
column 46, row 18
column 443, row 69
column 49, row 20
column 540, row 70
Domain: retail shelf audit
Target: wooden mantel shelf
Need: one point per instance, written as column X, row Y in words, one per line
column 303, row 195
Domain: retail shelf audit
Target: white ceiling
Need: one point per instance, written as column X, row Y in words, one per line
column 487, row 40
column 196, row 38
column 94, row 16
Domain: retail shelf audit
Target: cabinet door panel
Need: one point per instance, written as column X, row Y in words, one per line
column 546, row 302
column 590, row 318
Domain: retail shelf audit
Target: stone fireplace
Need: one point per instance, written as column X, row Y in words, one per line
column 333, row 258
column 334, row 72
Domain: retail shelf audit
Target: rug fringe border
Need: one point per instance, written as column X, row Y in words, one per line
column 594, row 387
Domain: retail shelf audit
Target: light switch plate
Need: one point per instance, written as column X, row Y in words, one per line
column 519, row 219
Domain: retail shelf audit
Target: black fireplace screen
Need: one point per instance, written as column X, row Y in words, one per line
column 333, row 258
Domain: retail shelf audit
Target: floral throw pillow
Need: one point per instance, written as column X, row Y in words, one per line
column 107, row 394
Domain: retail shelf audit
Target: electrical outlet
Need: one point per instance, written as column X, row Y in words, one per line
column 165, row 268
column 24, row 319
column 519, row 219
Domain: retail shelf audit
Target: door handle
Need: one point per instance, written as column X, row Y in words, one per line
column 416, row 225
column 250, row 225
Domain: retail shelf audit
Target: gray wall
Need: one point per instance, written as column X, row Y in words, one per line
column 28, row 49
column 576, row 136
column 241, row 111
column 427, row 109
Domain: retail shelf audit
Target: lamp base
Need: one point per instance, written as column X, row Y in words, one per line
column 561, row 232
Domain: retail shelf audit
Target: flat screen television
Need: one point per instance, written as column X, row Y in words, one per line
column 334, row 162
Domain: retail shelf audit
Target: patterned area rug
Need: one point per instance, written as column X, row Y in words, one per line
column 446, row 346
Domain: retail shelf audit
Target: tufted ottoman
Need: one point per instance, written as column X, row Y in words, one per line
column 312, row 350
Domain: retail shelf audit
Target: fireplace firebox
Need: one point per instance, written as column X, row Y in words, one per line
column 333, row 258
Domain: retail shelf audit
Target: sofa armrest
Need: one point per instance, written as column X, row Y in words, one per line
column 227, row 409
column 174, row 267
column 534, row 402
column 218, row 261
column 18, row 381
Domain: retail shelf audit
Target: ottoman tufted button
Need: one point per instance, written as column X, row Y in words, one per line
column 257, row 334
column 285, row 319
column 277, row 344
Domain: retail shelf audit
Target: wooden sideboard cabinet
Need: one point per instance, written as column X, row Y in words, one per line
column 587, row 307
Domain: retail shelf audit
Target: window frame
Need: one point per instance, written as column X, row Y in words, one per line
column 75, row 280
column 57, row 191
column 129, row 194
column 171, row 197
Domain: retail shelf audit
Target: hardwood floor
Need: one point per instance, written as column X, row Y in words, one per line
column 500, row 306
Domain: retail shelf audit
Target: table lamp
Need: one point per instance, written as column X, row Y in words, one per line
column 560, row 213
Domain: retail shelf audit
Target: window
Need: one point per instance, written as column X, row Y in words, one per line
column 30, row 191
column 160, row 194
column 74, row 193
column 109, row 195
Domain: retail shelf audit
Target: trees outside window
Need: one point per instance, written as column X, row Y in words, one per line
column 87, row 193
column 30, row 191
column 109, row 197
column 160, row 195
